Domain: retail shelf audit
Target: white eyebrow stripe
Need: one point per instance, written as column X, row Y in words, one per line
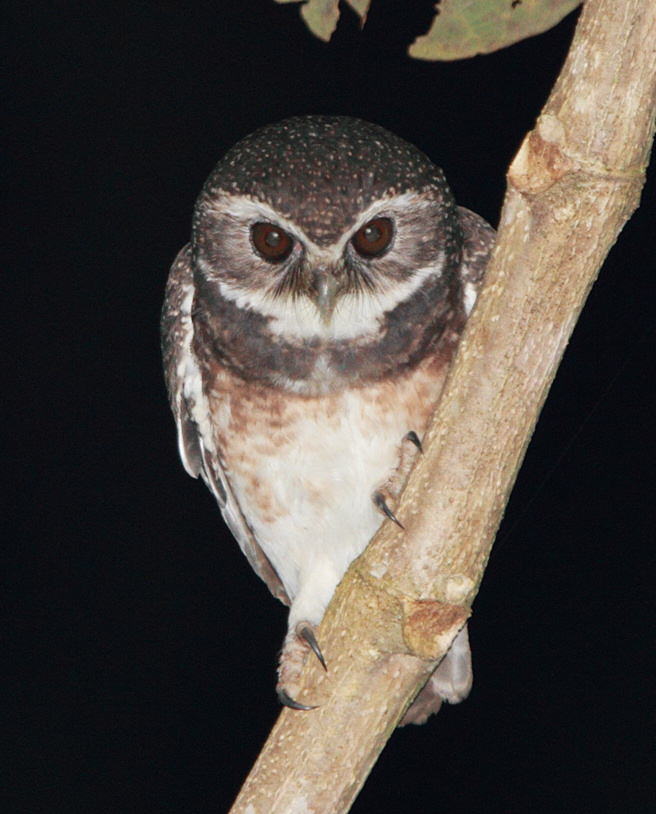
column 251, row 209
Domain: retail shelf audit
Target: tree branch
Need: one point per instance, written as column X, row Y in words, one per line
column 574, row 183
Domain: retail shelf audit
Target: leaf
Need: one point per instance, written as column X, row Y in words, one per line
column 464, row 28
column 321, row 16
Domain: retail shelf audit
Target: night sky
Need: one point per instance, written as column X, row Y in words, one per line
column 140, row 649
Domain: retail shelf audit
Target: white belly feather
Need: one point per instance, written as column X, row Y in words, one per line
column 304, row 469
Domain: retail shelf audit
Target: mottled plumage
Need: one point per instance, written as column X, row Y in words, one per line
column 307, row 328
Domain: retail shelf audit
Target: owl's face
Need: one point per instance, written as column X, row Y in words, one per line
column 319, row 237
column 267, row 262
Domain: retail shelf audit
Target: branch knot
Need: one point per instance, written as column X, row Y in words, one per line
column 429, row 626
column 540, row 162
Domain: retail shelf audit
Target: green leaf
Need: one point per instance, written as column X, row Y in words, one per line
column 321, row 16
column 464, row 28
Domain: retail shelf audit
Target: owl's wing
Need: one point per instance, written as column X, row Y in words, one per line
column 478, row 239
column 192, row 416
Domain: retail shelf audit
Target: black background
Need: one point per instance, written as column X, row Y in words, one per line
column 140, row 647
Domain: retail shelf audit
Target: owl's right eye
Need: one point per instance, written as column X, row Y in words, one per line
column 271, row 242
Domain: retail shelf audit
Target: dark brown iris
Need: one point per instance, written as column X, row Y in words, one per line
column 374, row 238
column 271, row 242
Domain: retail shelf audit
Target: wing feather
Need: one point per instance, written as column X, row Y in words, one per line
column 192, row 416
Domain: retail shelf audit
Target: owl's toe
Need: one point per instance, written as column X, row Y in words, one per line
column 380, row 502
column 414, row 439
column 292, row 657
column 307, row 632
column 287, row 701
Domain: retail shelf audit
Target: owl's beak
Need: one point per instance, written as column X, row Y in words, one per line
column 325, row 289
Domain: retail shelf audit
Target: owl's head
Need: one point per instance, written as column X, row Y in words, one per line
column 328, row 252
column 323, row 225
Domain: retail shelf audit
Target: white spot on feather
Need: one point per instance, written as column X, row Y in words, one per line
column 470, row 294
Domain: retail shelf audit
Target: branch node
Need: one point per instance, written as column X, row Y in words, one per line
column 540, row 162
column 430, row 626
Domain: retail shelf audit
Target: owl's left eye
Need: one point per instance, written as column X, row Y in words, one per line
column 271, row 242
column 374, row 238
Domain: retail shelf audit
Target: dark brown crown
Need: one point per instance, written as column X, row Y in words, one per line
column 322, row 171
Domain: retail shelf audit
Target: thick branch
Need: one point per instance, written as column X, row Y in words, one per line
column 573, row 185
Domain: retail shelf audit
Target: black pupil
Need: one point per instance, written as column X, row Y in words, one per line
column 372, row 234
column 273, row 238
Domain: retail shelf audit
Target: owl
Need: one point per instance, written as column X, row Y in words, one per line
column 307, row 331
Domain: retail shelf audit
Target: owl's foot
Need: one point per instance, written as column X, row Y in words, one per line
column 410, row 448
column 390, row 492
column 294, row 651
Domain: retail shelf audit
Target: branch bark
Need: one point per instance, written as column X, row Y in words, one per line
column 573, row 185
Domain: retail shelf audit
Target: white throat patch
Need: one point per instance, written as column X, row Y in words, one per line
column 356, row 315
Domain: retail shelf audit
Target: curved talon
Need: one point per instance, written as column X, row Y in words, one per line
column 414, row 438
column 287, row 701
column 308, row 634
column 381, row 503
